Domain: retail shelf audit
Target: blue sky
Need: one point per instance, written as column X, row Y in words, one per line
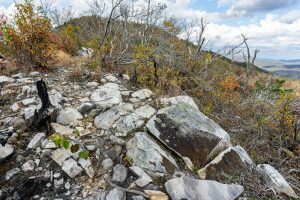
column 273, row 26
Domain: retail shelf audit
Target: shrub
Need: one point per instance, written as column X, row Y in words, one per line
column 30, row 40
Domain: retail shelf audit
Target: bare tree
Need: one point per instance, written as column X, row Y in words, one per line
column 61, row 16
column 247, row 58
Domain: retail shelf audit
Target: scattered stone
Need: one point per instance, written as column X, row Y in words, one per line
column 92, row 84
column 28, row 166
column 87, row 166
column 36, row 141
column 30, row 101
column 144, row 179
column 156, row 195
column 233, row 160
column 60, row 155
column 11, row 173
column 124, row 108
column 55, row 100
column 107, row 163
column 193, row 189
column 148, row 155
column 16, row 107
column 119, row 173
column 146, row 112
column 5, row 79
column 116, row 194
column 177, row 100
column 67, row 185
column 106, row 97
column 29, row 113
column 71, row 168
column 129, row 124
column 189, row 133
column 63, row 130
column 34, row 73
column 5, row 151
column 142, row 94
column 69, row 116
column 111, row 78
column 87, row 107
column 106, row 119
column 275, row 181
column 138, row 197
column 58, row 182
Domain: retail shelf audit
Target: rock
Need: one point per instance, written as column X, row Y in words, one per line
column 231, row 161
column 193, row 189
column 124, row 108
column 106, row 97
column 86, row 52
column 11, row 173
column 5, row 151
column 5, row 79
column 111, row 78
column 55, row 100
column 67, row 185
column 28, row 166
column 36, row 141
column 107, row 163
column 16, row 106
column 58, row 182
column 116, row 194
column 63, row 130
column 29, row 113
column 119, row 173
column 68, row 116
column 148, row 155
column 146, row 112
column 112, row 86
column 105, row 120
column 144, row 179
column 129, row 124
column 87, row 166
column 138, row 197
column 92, row 84
column 142, row 94
column 189, row 133
column 34, row 73
column 156, row 195
column 30, row 101
column 275, row 181
column 87, row 107
column 71, row 168
column 176, row 100
column 60, row 155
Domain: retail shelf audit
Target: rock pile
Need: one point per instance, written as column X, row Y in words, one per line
column 140, row 147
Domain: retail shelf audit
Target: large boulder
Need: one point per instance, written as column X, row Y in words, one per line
column 193, row 189
column 147, row 154
column 231, row 161
column 106, row 96
column 189, row 133
column 275, row 181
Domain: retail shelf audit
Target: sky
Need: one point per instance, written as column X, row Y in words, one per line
column 273, row 26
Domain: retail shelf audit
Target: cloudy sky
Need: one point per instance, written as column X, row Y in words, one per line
column 273, row 26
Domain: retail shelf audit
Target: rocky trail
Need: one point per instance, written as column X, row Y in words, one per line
column 139, row 146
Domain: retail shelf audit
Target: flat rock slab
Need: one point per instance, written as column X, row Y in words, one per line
column 148, row 155
column 176, row 100
column 105, row 120
column 275, row 180
column 36, row 141
column 189, row 133
column 232, row 161
column 106, row 96
column 193, row 189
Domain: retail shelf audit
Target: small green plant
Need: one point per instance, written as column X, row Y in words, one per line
column 65, row 142
column 127, row 161
column 76, row 132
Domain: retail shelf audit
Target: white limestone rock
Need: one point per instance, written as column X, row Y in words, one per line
column 36, row 141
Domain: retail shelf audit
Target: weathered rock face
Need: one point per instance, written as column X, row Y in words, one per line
column 176, row 100
column 275, row 180
column 105, row 120
column 128, row 124
column 189, row 133
column 148, row 155
column 233, row 161
column 193, row 189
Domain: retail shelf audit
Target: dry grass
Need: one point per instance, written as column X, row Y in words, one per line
column 293, row 84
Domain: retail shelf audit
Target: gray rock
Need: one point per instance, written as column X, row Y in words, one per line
column 193, row 189
column 148, row 155
column 129, row 124
column 87, row 107
column 69, row 116
column 11, row 173
column 106, row 96
column 92, row 84
column 142, row 94
column 28, row 166
column 124, row 108
column 5, row 151
column 275, row 181
column 56, row 100
column 138, row 198
column 107, row 163
column 116, row 194
column 71, row 168
column 144, row 179
column 15, row 107
column 5, row 79
column 189, row 133
column 34, row 73
column 105, row 120
column 36, row 141
column 111, row 78
column 87, row 166
column 119, row 173
column 63, row 130
column 176, row 100
column 58, row 182
column 29, row 113
column 60, row 155
column 30, row 101
column 146, row 112
column 231, row 161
